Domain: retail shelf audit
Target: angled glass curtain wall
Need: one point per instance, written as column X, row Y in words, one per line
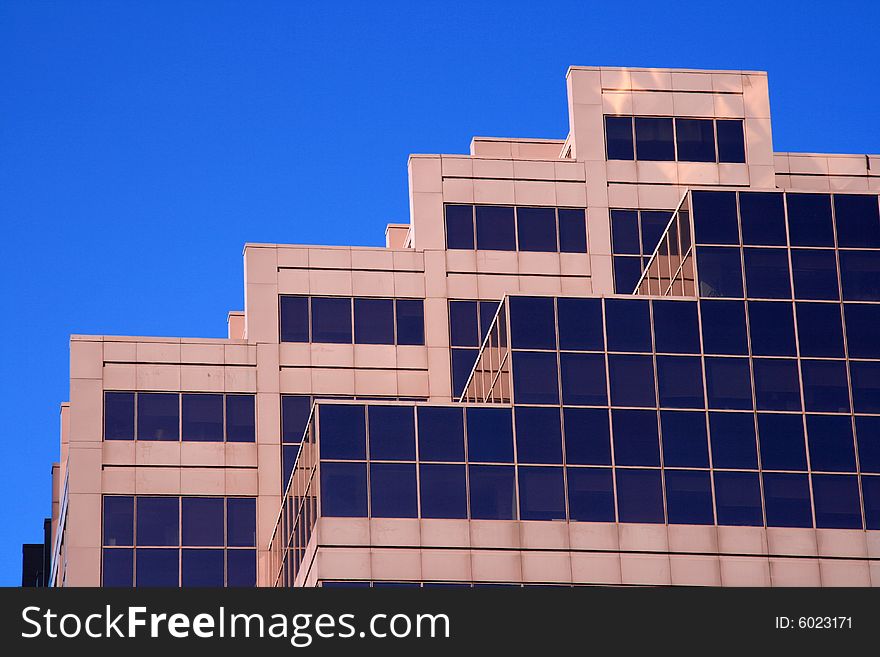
column 670, row 270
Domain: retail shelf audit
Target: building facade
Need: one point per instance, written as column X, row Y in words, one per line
column 642, row 354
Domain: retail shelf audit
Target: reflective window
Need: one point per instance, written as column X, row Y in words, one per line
column 158, row 416
column 689, row 497
column 654, row 224
column 676, row 328
column 495, row 228
column 639, row 496
column 782, row 442
column 728, row 383
column 724, row 327
column 862, row 321
column 632, row 380
column 865, row 386
column 331, row 320
column 294, row 319
column 157, row 521
column 695, row 139
column 731, row 141
column 590, row 494
column 393, row 490
column 763, row 218
column 738, row 499
column 536, row 229
column 459, row 227
column 392, row 433
column 627, row 272
column 202, row 521
column 767, row 275
column 441, row 433
column 410, row 318
column 241, row 522
column 714, row 215
column 825, row 385
column 587, row 439
column 809, row 220
column 868, row 435
column 344, row 490
column 583, row 379
column 733, row 440
column 858, row 220
column 487, row 310
column 771, row 327
column 538, row 435
column 787, row 500
column 443, row 490
column 619, row 137
column 831, row 443
column 202, row 417
column 119, row 520
column 871, row 495
column 635, row 437
column 860, row 275
column 118, row 416
column 541, row 493
column 654, row 139
column 492, row 492
column 241, row 568
column 628, row 325
column 572, row 230
column 815, row 274
column 295, row 411
column 463, row 330
column 201, row 568
column 535, row 378
column 819, row 330
column 462, row 364
column 680, row 381
column 532, row 324
column 625, row 232
column 373, row 321
column 489, row 435
column 837, row 501
column 720, row 271
column 776, row 385
column 157, row 568
column 117, row 568
column 580, row 324
column 241, row 419
column 342, row 431
column 288, row 460
column 684, row 439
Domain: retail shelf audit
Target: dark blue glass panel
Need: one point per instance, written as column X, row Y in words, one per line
column 762, row 216
column 241, row 419
column 627, row 271
column 831, row 443
column 654, row 140
column 487, row 310
column 157, row 568
column 865, row 386
column 771, row 326
column 815, row 274
column 532, row 324
column 809, row 220
column 393, row 490
column 462, row 364
column 202, row 521
column 538, row 435
column 410, row 319
column 583, row 379
column 728, row 383
column 572, row 230
column 871, row 495
column 731, row 141
column 625, row 232
column 635, row 437
column 782, row 442
column 541, row 494
column 587, row 437
column 158, row 416
column 201, row 568
column 344, row 490
column 724, row 327
column 628, row 324
column 374, row 321
column 492, row 492
column 787, row 500
column 118, row 520
column 825, row 385
column 441, row 433
column 580, row 324
column 202, row 417
column 157, row 521
column 632, row 380
column 241, row 522
column 535, row 377
column 689, row 497
column 495, row 228
column 342, row 432
column 684, row 439
column 590, row 494
column 858, row 220
column 767, row 275
column 738, row 499
column 392, row 433
column 776, row 385
column 294, row 319
column 294, row 416
column 654, row 224
column 331, row 320
column 680, row 382
column 733, row 440
column 860, row 275
column 536, row 229
column 463, row 330
column 345, row 585
column 695, row 140
column 868, row 435
column 288, row 459
column 118, row 416
column 676, row 328
column 837, row 501
column 720, row 271
column 117, row 568
column 862, row 322
column 715, row 220
column 819, row 330
column 241, row 568
column 444, row 490
column 459, row 226
column 619, row 137
column 490, row 435
column 639, row 496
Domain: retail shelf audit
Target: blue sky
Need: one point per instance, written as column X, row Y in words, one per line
column 143, row 143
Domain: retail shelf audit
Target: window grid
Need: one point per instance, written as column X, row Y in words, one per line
column 718, row 159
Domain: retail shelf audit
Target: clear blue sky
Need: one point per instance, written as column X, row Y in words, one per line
column 143, row 143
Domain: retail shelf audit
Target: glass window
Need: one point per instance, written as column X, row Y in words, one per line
column 118, row 416
column 241, row 568
column 295, row 411
column 572, row 230
column 342, row 431
column 288, row 460
column 580, row 324
column 728, row 383
column 444, row 490
column 695, row 139
column 294, row 319
column 331, row 320
column 720, row 271
column 463, row 330
column 373, row 321
column 860, row 275
column 536, row 229
column 157, row 568
column 158, row 416
column 689, row 497
column 632, row 380
column 787, row 500
column 639, row 496
column 118, row 520
column 871, row 493
column 767, row 275
column 393, row 490
column 462, row 364
column 635, row 437
column 684, row 439
column 495, row 228
column 538, row 435
column 392, row 433
column 654, row 140
column 809, row 220
column 492, row 492
column 858, row 220
column 831, row 443
column 868, row 433
column 771, row 327
column 532, row 324
column 627, row 272
column 157, row 521
column 203, row 417
column 862, row 321
column 441, row 433
column 738, row 499
column 680, row 382
column 815, row 274
column 837, row 501
column 628, row 325
column 865, row 386
column 763, row 218
column 619, row 137
column 819, row 330
column 410, row 321
column 733, row 440
column 825, row 385
column 715, row 220
column 625, row 232
column 724, row 327
column 583, row 379
column 489, row 435
column 731, row 142
column 782, row 442
column 541, row 493
column 776, row 385
column 202, row 521
column 344, row 490
column 241, row 521
column 459, row 227
column 676, row 328
column 654, row 224
column 487, row 310
column 240, row 419
column 535, row 377
column 118, row 568
column 590, row 494
column 587, row 439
